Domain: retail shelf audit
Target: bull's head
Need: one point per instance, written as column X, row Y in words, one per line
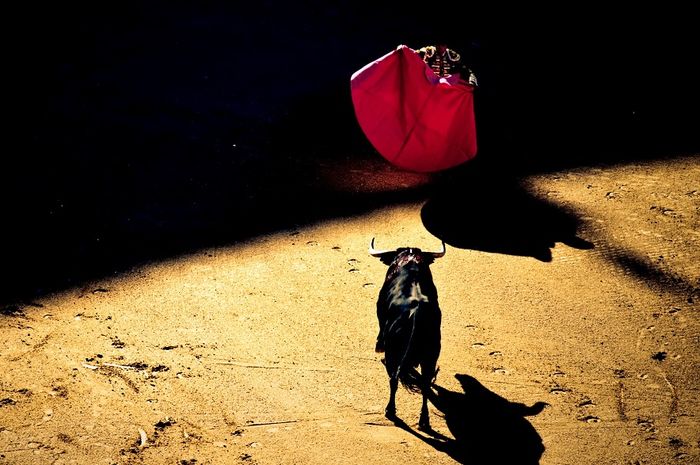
column 388, row 256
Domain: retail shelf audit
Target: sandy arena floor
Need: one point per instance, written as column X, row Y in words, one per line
column 262, row 352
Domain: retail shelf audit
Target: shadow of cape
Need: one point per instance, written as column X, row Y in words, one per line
column 482, row 208
column 486, row 428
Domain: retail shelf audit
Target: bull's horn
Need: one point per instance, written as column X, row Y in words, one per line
column 375, row 253
column 440, row 253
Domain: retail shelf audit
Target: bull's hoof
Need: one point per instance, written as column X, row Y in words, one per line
column 390, row 414
column 424, row 423
column 424, row 426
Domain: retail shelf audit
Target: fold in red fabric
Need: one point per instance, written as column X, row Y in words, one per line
column 415, row 119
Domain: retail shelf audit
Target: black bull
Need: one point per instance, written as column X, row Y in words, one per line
column 409, row 323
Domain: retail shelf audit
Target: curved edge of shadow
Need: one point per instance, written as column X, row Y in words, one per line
column 654, row 274
column 482, row 208
column 486, row 428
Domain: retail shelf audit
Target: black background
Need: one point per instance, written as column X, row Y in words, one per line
column 138, row 130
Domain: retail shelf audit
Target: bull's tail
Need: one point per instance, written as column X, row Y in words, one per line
column 410, row 379
column 408, row 375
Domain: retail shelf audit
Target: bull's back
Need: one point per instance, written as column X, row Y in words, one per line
column 414, row 329
column 427, row 335
column 411, row 315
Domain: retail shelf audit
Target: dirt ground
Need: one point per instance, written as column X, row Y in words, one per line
column 571, row 335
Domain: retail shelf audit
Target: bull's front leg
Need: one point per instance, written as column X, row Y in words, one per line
column 390, row 410
column 381, row 318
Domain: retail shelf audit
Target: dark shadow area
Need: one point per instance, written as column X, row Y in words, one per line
column 563, row 95
column 481, row 207
column 486, row 428
column 159, row 128
column 153, row 130
column 654, row 274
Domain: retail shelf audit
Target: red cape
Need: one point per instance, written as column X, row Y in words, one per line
column 415, row 119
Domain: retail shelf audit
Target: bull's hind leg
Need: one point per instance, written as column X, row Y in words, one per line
column 390, row 410
column 395, row 350
column 428, row 371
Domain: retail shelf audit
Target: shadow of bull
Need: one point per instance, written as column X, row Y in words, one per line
column 486, row 428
